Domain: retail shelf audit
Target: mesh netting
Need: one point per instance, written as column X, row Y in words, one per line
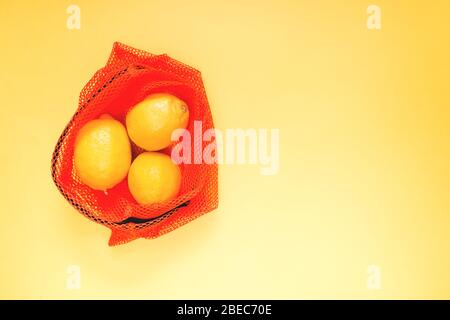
column 128, row 77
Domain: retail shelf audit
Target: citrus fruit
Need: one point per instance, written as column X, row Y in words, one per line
column 150, row 123
column 102, row 154
column 154, row 178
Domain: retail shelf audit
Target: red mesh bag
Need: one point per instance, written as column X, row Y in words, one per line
column 128, row 77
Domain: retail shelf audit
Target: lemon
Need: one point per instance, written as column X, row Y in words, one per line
column 150, row 123
column 102, row 154
column 153, row 178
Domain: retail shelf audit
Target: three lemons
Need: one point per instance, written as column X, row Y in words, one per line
column 102, row 155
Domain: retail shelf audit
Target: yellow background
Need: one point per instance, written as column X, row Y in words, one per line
column 364, row 152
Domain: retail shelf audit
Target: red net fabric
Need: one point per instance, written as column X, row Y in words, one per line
column 127, row 78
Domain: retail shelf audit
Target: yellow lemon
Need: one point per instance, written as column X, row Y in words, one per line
column 102, row 154
column 151, row 122
column 153, row 178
